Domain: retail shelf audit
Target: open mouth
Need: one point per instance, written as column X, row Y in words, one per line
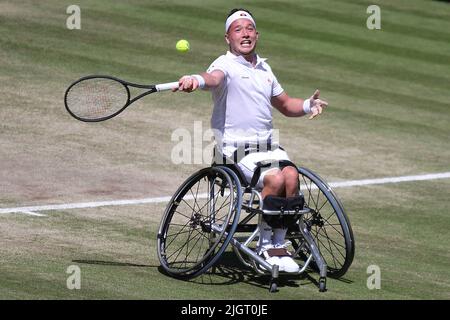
column 246, row 43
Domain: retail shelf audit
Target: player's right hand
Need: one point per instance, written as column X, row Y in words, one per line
column 187, row 84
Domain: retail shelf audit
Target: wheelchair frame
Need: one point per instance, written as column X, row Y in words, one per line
column 194, row 222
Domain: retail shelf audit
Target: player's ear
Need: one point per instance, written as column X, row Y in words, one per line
column 226, row 38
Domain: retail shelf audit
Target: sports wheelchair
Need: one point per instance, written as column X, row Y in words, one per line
column 204, row 217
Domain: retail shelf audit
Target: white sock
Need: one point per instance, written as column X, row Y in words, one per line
column 265, row 236
column 278, row 236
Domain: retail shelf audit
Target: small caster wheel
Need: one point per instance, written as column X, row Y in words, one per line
column 322, row 284
column 273, row 287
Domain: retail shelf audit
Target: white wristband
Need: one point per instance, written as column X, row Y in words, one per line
column 307, row 106
column 200, row 79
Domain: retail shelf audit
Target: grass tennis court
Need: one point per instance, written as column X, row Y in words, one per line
column 389, row 116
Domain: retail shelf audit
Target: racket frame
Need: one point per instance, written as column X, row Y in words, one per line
column 151, row 89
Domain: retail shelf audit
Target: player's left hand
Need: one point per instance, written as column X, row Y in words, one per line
column 317, row 105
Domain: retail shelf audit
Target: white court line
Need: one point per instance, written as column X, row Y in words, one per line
column 343, row 184
column 366, row 182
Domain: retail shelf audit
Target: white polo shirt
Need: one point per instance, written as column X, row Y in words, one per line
column 242, row 109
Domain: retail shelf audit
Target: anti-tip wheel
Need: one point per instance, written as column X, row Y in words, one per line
column 322, row 285
column 273, row 287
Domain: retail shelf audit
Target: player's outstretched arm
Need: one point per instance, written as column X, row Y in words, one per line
column 205, row 80
column 295, row 107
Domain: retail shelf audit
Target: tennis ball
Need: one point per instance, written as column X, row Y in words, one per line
column 182, row 45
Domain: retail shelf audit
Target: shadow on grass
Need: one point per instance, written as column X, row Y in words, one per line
column 229, row 270
column 113, row 263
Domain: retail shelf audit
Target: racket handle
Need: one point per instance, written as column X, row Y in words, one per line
column 166, row 86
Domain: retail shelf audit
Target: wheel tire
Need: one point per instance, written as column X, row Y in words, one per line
column 328, row 224
column 187, row 245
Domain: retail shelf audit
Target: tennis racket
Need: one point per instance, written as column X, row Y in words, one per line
column 98, row 98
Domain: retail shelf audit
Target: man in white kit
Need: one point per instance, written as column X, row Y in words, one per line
column 244, row 90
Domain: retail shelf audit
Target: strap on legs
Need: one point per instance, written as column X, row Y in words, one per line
column 288, row 209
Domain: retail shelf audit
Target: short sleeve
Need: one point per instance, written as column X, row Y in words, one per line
column 219, row 64
column 276, row 87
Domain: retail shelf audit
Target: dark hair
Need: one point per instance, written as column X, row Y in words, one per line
column 239, row 9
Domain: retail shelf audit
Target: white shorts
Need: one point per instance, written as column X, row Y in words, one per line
column 248, row 164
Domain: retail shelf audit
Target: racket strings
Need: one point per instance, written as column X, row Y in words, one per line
column 96, row 98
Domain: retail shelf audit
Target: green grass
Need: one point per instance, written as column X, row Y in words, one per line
column 389, row 115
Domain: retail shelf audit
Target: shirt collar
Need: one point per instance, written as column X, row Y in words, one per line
column 241, row 59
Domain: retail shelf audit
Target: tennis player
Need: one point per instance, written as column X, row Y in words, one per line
column 244, row 91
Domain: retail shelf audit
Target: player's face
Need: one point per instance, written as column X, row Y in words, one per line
column 242, row 37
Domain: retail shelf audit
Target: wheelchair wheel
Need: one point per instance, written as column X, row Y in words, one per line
column 199, row 222
column 327, row 223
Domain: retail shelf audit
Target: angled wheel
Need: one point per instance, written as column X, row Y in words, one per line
column 199, row 222
column 328, row 224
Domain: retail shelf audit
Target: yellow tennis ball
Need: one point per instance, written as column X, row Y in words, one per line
column 182, row 45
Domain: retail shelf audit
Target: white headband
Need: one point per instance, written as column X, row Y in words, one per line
column 238, row 15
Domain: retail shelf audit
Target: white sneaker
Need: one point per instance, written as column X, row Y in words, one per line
column 288, row 264
column 272, row 260
column 275, row 260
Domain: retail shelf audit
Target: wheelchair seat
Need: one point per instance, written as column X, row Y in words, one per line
column 235, row 168
column 220, row 159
